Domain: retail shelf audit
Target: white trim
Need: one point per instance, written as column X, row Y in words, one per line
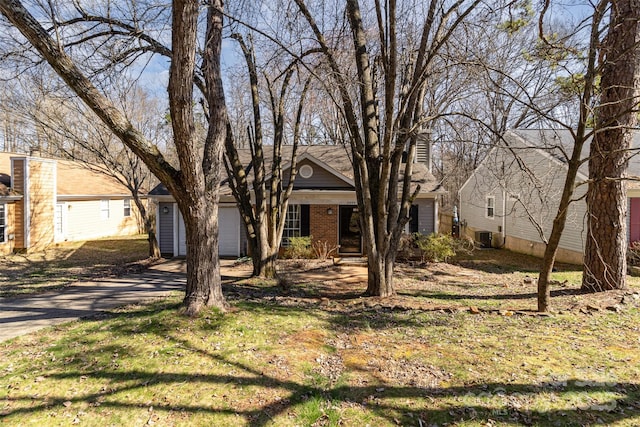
column 157, row 225
column 103, row 210
column 436, row 217
column 80, row 197
column 176, row 228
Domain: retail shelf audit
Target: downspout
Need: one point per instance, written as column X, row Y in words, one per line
column 504, row 218
column 436, row 220
column 462, row 224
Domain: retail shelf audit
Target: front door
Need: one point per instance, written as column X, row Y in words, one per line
column 634, row 220
column 349, row 237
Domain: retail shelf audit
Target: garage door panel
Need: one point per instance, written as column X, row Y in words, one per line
column 228, row 233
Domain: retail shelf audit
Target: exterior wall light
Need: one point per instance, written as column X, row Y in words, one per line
column 330, row 211
column 165, row 210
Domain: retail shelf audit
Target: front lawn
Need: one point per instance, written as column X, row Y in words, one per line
column 458, row 346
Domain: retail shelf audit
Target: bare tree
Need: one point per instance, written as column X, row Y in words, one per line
column 499, row 81
column 195, row 185
column 65, row 128
column 264, row 214
column 605, row 265
column 381, row 103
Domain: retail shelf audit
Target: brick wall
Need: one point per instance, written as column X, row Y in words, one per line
column 324, row 226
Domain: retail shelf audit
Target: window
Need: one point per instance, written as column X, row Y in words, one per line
column 3, row 223
column 127, row 207
column 491, row 203
column 104, row 209
column 306, row 171
column 291, row 224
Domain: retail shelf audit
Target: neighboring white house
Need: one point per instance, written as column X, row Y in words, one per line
column 45, row 201
column 515, row 191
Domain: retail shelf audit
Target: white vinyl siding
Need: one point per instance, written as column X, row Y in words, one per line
column 532, row 188
column 83, row 220
column 104, row 209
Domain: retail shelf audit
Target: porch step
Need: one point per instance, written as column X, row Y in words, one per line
column 354, row 261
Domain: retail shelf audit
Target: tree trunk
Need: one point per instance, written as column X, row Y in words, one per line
column 265, row 260
column 154, row 249
column 204, row 285
column 380, row 275
column 605, row 264
column 195, row 186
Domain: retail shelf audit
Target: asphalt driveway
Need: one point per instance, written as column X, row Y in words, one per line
column 23, row 315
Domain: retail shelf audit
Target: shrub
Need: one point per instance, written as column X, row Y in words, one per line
column 299, row 247
column 435, row 247
column 407, row 248
column 322, row 250
column 633, row 254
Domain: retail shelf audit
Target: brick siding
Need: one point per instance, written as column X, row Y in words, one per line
column 324, row 226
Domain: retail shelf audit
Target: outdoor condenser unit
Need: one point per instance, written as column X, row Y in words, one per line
column 484, row 238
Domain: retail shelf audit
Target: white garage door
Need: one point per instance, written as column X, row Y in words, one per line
column 228, row 237
column 229, row 234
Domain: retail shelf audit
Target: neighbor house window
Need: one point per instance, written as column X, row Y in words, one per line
column 127, row 207
column 491, row 204
column 104, row 209
column 3, row 223
column 291, row 224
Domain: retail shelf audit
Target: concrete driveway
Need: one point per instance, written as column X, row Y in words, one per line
column 20, row 316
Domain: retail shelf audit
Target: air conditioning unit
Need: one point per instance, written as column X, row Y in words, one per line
column 484, row 238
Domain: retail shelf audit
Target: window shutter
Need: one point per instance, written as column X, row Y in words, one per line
column 413, row 219
column 304, row 220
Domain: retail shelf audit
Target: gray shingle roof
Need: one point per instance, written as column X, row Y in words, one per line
column 554, row 142
column 335, row 157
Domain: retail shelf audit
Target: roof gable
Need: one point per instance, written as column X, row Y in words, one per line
column 322, row 176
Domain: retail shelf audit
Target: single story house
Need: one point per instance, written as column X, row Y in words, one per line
column 322, row 205
column 513, row 194
column 45, row 201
